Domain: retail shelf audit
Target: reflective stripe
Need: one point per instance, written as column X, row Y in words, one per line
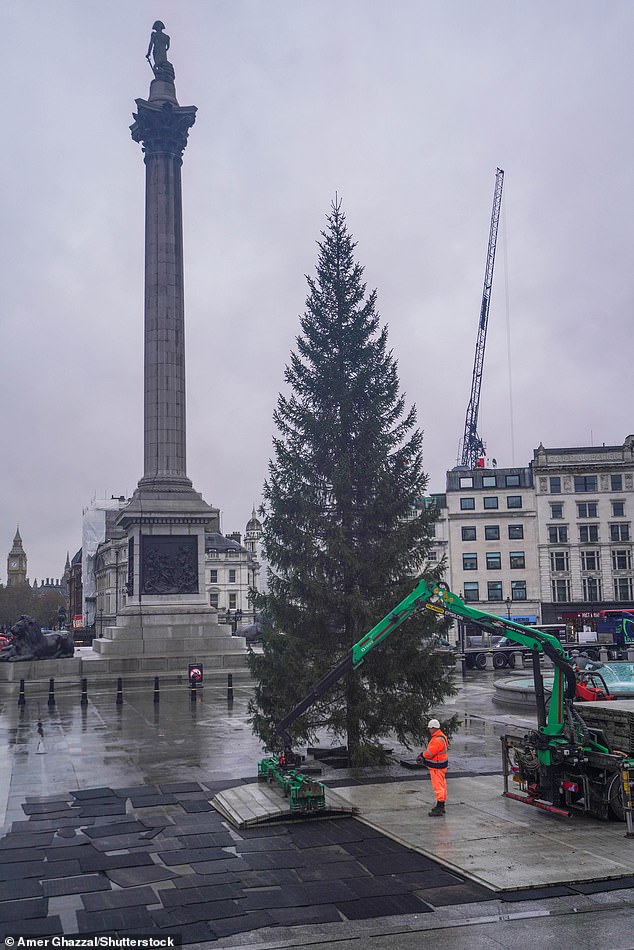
column 436, row 765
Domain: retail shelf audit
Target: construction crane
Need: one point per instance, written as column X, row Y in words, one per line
column 472, row 444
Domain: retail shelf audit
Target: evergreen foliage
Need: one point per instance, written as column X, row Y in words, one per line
column 339, row 532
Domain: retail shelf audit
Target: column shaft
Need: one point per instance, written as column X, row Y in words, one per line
column 165, row 415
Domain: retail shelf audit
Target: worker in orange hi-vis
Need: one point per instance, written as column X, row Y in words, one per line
column 436, row 760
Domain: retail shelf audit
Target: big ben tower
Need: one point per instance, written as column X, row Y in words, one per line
column 16, row 563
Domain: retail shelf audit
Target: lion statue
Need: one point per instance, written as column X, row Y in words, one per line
column 29, row 643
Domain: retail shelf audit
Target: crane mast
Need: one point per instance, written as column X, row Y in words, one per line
column 472, row 444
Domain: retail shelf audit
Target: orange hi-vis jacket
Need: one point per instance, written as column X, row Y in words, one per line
column 436, row 753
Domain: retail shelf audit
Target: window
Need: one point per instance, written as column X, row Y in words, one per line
column 213, row 576
column 589, row 533
column 584, row 483
column 491, row 532
column 587, row 509
column 559, row 561
column 592, row 588
column 517, row 559
column 466, row 481
column 213, row 600
column 558, row 535
column 488, row 481
column 233, row 602
column 490, row 501
column 516, row 532
column 622, row 588
column 232, row 576
column 512, row 481
column 555, row 485
column 590, row 561
column 471, row 592
column 469, row 562
column 494, row 590
column 616, row 483
column 514, row 501
column 561, row 591
column 494, row 561
column 468, row 534
column 618, row 509
column 467, row 504
column 619, row 532
column 518, row 590
column 557, row 510
column 621, row 559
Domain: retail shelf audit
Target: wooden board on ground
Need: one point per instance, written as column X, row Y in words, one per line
column 258, row 803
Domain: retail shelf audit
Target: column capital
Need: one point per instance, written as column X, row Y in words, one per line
column 162, row 126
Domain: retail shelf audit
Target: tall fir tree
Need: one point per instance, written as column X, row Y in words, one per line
column 340, row 534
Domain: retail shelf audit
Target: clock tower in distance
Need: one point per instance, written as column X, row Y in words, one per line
column 16, row 563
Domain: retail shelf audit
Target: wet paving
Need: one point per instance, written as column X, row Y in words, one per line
column 108, row 828
column 68, row 746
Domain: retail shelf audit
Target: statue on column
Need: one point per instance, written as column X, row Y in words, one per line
column 159, row 45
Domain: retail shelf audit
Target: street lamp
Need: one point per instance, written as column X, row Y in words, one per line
column 508, row 607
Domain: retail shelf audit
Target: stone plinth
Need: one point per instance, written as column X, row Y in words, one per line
column 31, row 670
column 168, row 629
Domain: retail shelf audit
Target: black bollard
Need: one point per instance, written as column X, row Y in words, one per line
column 51, row 692
column 84, row 692
column 229, row 687
column 156, row 689
column 21, row 698
column 119, row 692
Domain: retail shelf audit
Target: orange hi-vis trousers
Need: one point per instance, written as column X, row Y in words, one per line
column 439, row 783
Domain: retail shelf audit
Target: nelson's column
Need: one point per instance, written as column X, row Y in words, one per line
column 166, row 610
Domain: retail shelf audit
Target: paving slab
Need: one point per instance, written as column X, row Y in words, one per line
column 128, row 897
column 18, row 910
column 47, row 926
column 134, row 877
column 80, row 884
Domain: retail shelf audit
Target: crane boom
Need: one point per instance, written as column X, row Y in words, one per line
column 472, row 444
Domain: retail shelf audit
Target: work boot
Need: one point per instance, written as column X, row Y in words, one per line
column 438, row 809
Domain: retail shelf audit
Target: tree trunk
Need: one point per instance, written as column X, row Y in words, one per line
column 353, row 698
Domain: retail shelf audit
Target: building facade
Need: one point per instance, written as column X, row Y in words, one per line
column 585, row 505
column 75, row 593
column 231, row 571
column 549, row 543
column 492, row 540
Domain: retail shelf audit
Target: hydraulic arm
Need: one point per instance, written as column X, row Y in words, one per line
column 438, row 598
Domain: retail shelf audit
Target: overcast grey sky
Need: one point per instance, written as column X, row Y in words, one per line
column 404, row 109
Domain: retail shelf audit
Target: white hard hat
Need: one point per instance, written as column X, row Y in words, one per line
column 433, row 724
